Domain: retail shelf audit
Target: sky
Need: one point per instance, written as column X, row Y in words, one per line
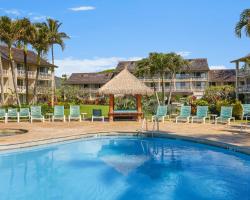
column 104, row 32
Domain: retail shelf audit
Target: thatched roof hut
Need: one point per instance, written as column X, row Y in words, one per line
column 125, row 83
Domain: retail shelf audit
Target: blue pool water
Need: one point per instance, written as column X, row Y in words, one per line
column 119, row 168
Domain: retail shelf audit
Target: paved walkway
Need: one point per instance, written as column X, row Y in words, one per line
column 43, row 133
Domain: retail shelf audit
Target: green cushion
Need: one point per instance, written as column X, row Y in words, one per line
column 226, row 112
column 2, row 112
column 246, row 109
column 36, row 111
column 202, row 111
column 12, row 112
column 185, row 111
column 24, row 112
column 59, row 111
column 74, row 111
column 161, row 111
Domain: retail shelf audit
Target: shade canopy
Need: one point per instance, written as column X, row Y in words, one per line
column 125, row 83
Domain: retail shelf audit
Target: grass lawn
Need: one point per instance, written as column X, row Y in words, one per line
column 88, row 109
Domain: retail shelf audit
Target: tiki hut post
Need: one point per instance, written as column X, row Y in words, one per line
column 111, row 107
column 139, row 106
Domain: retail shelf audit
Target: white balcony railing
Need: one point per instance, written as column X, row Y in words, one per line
column 180, row 79
column 244, row 89
column 32, row 75
column 40, row 89
column 5, row 72
column 181, row 89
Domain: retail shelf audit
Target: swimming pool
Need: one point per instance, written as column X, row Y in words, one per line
column 119, row 168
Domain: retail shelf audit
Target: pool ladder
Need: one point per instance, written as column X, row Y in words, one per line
column 144, row 123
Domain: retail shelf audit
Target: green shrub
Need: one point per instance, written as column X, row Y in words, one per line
column 237, row 110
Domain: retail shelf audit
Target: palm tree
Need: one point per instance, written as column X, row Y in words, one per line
column 40, row 43
column 55, row 37
column 243, row 24
column 174, row 63
column 27, row 31
column 1, row 81
column 162, row 64
column 9, row 32
column 144, row 68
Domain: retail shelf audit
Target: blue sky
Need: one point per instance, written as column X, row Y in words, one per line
column 106, row 31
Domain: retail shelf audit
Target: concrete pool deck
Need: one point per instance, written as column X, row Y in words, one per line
column 45, row 133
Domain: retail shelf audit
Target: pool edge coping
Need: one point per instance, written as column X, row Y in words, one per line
column 158, row 134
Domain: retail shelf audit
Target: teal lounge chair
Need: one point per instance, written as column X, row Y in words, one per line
column 201, row 114
column 74, row 113
column 13, row 114
column 97, row 114
column 24, row 113
column 36, row 113
column 225, row 115
column 3, row 115
column 58, row 113
column 184, row 115
column 246, row 111
column 161, row 114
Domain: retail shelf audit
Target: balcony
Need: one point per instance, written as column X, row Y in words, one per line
column 244, row 89
column 89, row 90
column 40, row 89
column 244, row 72
column 182, row 89
column 179, row 79
column 5, row 73
column 32, row 75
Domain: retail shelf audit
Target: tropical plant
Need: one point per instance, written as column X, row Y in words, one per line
column 162, row 64
column 27, row 31
column 55, row 37
column 1, row 81
column 217, row 93
column 243, row 24
column 9, row 33
column 40, row 43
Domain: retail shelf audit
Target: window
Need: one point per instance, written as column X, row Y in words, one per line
column 20, row 82
column 20, row 66
column 44, row 70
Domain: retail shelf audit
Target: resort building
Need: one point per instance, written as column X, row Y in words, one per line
column 220, row 77
column 243, row 78
column 190, row 81
column 88, row 83
column 45, row 76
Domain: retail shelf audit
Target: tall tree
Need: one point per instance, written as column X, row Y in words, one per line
column 40, row 43
column 27, row 31
column 9, row 33
column 55, row 37
column 144, row 68
column 243, row 24
column 162, row 65
column 1, row 80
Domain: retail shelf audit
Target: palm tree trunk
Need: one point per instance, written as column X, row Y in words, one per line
column 53, row 88
column 1, row 80
column 170, row 89
column 163, row 89
column 26, row 75
column 36, row 80
column 14, row 78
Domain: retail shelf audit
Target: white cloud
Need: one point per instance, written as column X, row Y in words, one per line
column 83, row 8
column 184, row 53
column 12, row 12
column 218, row 67
column 71, row 65
column 39, row 18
